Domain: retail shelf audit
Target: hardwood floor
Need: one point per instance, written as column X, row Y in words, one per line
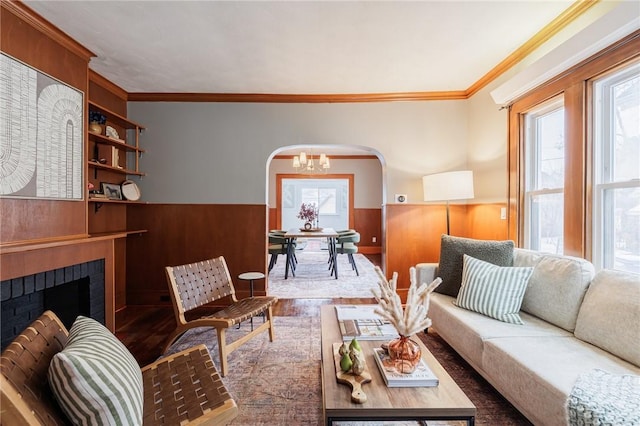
column 144, row 329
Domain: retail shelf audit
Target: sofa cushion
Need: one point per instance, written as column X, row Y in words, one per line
column 492, row 290
column 557, row 286
column 453, row 248
column 610, row 314
column 537, row 374
column 95, row 379
column 466, row 331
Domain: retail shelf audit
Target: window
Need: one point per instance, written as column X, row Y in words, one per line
column 544, row 177
column 330, row 194
column 616, row 130
column 598, row 206
column 323, row 198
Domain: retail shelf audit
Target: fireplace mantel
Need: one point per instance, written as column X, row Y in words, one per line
column 20, row 260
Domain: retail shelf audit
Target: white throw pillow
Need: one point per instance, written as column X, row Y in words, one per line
column 492, row 290
column 95, row 379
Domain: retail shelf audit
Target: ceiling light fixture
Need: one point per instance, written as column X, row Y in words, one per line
column 306, row 164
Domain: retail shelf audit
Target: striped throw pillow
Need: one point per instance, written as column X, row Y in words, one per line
column 95, row 379
column 492, row 290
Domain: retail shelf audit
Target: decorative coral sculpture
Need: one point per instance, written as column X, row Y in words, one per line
column 414, row 316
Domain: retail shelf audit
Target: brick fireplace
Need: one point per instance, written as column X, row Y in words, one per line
column 68, row 292
column 70, row 276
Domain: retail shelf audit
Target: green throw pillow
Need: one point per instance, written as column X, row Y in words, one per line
column 95, row 379
column 493, row 290
column 453, row 248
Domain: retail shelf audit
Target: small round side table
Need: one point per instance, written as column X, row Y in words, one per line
column 251, row 276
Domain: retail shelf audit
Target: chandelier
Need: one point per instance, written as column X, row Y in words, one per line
column 306, row 164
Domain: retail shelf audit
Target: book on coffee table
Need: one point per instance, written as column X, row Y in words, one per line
column 362, row 323
column 421, row 377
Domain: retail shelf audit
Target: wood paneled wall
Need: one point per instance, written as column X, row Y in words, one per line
column 22, row 37
column 185, row 233
column 368, row 222
column 413, row 233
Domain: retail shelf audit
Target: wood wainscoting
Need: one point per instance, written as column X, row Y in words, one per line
column 413, row 233
column 184, row 233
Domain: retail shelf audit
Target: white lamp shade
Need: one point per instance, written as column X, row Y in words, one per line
column 448, row 186
column 303, row 158
column 296, row 162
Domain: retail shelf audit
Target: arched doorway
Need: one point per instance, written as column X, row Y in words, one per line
column 363, row 166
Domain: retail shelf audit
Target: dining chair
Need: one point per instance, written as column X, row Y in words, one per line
column 278, row 246
column 346, row 243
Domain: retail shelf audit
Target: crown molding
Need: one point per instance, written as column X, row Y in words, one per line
column 32, row 18
column 295, row 98
column 561, row 21
column 108, row 84
column 551, row 29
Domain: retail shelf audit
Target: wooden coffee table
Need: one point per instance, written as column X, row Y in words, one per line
column 444, row 402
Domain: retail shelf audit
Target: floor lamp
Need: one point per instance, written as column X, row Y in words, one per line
column 447, row 187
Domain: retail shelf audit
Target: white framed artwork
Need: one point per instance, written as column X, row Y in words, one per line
column 41, row 134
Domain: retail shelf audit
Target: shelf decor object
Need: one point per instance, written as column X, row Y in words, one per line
column 43, row 135
column 112, row 191
column 408, row 321
column 130, row 190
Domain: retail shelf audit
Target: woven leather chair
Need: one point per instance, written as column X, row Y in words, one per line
column 184, row 388
column 197, row 284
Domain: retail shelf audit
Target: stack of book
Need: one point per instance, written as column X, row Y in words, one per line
column 362, row 323
column 421, row 377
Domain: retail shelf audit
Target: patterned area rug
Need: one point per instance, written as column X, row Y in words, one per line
column 278, row 383
column 313, row 279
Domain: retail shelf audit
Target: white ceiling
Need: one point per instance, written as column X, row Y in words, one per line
column 298, row 47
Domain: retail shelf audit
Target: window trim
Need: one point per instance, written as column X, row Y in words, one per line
column 574, row 84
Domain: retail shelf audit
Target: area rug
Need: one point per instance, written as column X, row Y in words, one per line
column 279, row 383
column 313, row 279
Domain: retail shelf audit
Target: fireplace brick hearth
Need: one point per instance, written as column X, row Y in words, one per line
column 23, row 299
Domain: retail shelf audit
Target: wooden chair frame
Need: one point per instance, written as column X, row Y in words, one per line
column 184, row 388
column 196, row 284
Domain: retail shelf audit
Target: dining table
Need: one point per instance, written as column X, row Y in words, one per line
column 329, row 233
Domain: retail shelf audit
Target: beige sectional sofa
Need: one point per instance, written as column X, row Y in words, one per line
column 575, row 321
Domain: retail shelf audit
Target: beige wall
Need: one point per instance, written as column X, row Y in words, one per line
column 219, row 152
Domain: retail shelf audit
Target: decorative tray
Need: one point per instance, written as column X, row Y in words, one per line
column 355, row 381
column 311, row 230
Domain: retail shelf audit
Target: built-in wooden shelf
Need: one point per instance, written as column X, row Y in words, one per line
column 119, row 143
column 106, row 200
column 115, row 117
column 114, row 169
column 111, row 234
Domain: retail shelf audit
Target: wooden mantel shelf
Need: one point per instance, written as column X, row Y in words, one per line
column 42, row 244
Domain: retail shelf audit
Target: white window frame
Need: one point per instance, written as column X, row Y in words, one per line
column 532, row 155
column 604, row 182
